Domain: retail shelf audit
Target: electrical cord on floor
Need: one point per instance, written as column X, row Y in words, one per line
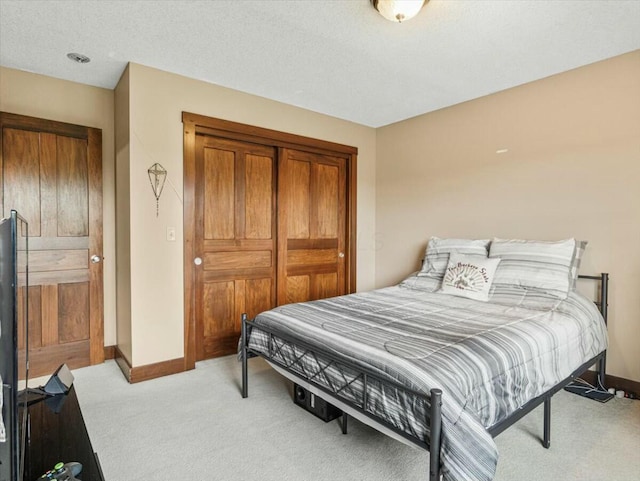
column 590, row 387
column 588, row 390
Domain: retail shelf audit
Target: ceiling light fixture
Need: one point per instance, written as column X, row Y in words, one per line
column 78, row 57
column 398, row 10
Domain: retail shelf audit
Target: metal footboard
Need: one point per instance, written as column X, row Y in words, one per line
column 366, row 377
column 600, row 360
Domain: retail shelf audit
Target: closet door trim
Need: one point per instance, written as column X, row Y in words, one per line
column 259, row 135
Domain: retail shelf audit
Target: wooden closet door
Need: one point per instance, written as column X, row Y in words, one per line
column 311, row 226
column 51, row 173
column 235, row 239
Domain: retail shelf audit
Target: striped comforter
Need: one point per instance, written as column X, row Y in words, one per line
column 489, row 359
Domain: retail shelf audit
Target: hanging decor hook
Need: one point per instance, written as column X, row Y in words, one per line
column 157, row 177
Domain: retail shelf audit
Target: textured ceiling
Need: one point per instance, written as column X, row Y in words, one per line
column 337, row 57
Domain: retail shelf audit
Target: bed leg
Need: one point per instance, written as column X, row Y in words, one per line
column 547, row 423
column 345, row 418
column 604, row 309
column 243, row 354
column 602, row 367
column 436, row 435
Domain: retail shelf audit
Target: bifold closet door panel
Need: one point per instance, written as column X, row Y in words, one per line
column 311, row 226
column 235, row 239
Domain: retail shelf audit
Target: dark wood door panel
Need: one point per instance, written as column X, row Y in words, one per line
column 298, row 289
column 233, row 274
column 58, row 260
column 21, row 176
column 35, row 317
column 218, row 346
column 219, row 194
column 311, row 257
column 235, row 239
column 223, row 305
column 326, row 285
column 55, row 277
column 68, row 243
column 218, row 309
column 297, row 182
column 310, row 286
column 72, row 187
column 51, row 173
column 258, row 212
column 312, row 226
column 258, row 296
column 45, row 360
column 239, row 259
column 73, row 312
column 329, row 203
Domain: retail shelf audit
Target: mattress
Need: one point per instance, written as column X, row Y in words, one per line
column 488, row 358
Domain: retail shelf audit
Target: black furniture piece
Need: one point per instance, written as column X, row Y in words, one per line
column 314, row 404
column 14, row 340
column 56, row 433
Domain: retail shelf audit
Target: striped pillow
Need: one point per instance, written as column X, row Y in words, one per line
column 535, row 264
column 577, row 259
column 438, row 250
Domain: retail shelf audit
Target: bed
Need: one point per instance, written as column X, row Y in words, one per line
column 443, row 372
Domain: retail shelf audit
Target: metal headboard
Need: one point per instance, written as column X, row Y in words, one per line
column 603, row 305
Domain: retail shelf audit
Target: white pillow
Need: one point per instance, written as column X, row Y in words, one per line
column 438, row 250
column 469, row 276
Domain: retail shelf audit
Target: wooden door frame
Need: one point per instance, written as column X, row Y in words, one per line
column 194, row 124
column 93, row 137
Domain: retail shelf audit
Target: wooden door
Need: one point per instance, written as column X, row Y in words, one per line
column 51, row 173
column 235, row 239
column 311, row 226
column 235, row 275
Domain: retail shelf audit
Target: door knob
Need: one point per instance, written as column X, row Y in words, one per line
column 95, row 259
column 197, row 261
column 341, row 255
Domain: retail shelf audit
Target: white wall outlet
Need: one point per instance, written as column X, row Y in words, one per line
column 171, row 234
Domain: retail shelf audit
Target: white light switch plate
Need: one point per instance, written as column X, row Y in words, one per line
column 171, row 234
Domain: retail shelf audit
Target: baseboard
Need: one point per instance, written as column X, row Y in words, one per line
column 109, row 352
column 148, row 371
column 122, row 363
column 616, row 382
column 158, row 369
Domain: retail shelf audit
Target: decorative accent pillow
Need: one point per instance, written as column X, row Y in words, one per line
column 535, row 264
column 577, row 259
column 438, row 250
column 469, row 276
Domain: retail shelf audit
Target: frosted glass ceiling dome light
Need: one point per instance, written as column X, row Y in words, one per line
column 398, row 10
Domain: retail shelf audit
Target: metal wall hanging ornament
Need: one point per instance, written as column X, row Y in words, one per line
column 157, row 177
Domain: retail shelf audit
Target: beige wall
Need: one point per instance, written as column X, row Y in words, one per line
column 572, row 170
column 35, row 95
column 123, row 230
column 573, row 161
column 157, row 100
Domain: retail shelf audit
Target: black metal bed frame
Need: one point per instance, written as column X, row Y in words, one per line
column 434, row 399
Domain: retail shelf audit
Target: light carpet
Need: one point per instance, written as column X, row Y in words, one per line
column 195, row 426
